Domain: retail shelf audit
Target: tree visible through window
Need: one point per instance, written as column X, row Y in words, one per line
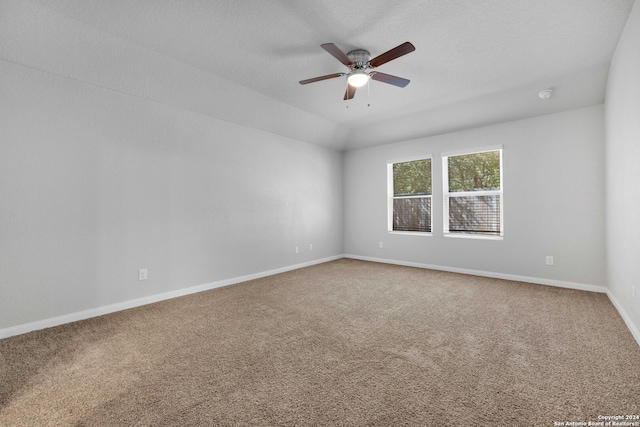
column 473, row 193
column 411, row 196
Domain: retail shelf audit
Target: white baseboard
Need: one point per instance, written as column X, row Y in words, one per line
column 550, row 282
column 515, row 278
column 634, row 330
column 99, row 311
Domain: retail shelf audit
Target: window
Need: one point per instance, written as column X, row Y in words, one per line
column 473, row 193
column 410, row 196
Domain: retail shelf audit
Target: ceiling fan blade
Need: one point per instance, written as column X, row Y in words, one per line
column 338, row 54
column 317, row 79
column 350, row 92
column 388, row 78
column 392, row 54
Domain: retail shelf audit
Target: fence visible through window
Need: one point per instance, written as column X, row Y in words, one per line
column 412, row 214
column 474, row 214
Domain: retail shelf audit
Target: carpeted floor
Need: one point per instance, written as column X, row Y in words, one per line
column 347, row 343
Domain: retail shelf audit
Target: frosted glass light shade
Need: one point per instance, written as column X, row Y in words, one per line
column 358, row 78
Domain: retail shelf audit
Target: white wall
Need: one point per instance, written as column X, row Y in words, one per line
column 623, row 170
column 553, row 201
column 95, row 184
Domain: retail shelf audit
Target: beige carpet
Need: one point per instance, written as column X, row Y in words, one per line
column 349, row 343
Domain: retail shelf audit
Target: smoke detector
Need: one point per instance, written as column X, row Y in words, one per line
column 545, row 94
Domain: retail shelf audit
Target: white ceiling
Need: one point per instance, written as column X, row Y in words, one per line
column 476, row 62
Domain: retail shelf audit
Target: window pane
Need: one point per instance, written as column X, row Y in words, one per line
column 412, row 214
column 474, row 172
column 412, row 178
column 475, row 215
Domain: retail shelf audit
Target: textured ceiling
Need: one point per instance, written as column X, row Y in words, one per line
column 476, row 61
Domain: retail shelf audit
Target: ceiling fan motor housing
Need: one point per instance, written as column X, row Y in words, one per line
column 361, row 58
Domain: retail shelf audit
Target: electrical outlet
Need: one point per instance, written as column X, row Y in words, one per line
column 310, row 247
column 550, row 260
column 380, row 245
column 142, row 274
column 297, row 250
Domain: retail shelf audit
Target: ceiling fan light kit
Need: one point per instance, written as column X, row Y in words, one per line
column 358, row 78
column 361, row 67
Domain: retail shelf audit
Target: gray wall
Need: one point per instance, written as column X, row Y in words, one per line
column 553, row 200
column 95, row 184
column 623, row 170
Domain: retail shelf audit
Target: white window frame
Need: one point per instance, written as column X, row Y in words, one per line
column 390, row 196
column 446, row 194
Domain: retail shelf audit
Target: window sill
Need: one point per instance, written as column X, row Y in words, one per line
column 472, row 236
column 411, row 233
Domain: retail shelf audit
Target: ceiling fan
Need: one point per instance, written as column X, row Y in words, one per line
column 360, row 67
